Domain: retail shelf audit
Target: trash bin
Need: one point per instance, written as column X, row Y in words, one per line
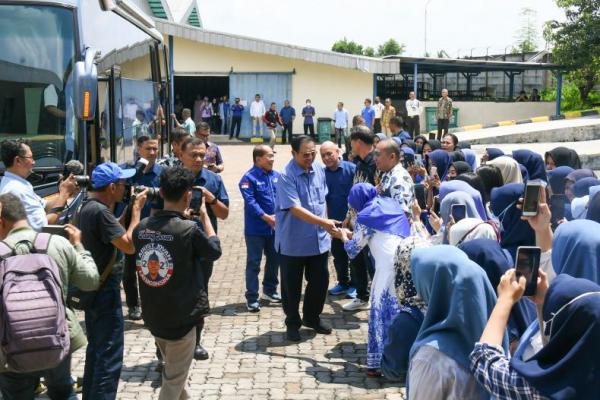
column 431, row 119
column 324, row 129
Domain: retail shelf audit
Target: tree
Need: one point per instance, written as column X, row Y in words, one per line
column 576, row 43
column 527, row 35
column 390, row 48
column 369, row 52
column 347, row 46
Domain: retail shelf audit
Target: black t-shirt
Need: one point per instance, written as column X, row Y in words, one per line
column 366, row 170
column 168, row 252
column 99, row 227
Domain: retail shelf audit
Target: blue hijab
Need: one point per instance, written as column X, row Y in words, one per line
column 556, row 178
column 380, row 213
column 493, row 152
column 533, row 162
column 515, row 231
column 524, row 173
column 567, row 366
column 459, row 301
column 593, row 212
column 582, row 187
column 461, row 186
column 442, row 160
column 470, row 158
column 409, row 156
column 457, row 198
column 579, row 174
column 576, row 249
column 495, row 261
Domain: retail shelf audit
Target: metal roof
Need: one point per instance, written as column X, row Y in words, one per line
column 194, row 19
column 361, row 63
column 158, row 9
column 452, row 65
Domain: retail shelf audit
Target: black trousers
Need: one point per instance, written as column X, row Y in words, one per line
column 413, row 126
column 340, row 261
column 311, row 128
column 442, row 125
column 130, row 282
column 377, row 125
column 314, row 268
column 236, row 124
column 287, row 132
column 360, row 268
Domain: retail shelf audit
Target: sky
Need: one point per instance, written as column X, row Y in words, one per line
column 458, row 26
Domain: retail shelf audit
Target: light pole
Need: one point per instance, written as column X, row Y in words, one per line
column 425, row 35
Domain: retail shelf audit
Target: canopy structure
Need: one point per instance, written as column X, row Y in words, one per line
column 473, row 67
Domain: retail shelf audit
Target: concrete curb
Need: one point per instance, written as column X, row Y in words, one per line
column 567, row 115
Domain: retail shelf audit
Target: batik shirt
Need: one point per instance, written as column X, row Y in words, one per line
column 388, row 113
column 405, row 288
column 398, row 185
column 444, row 108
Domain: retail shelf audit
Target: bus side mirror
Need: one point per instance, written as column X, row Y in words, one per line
column 85, row 87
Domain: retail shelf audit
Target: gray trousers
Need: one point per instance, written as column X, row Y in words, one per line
column 177, row 355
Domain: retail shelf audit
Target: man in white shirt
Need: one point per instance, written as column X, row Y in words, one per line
column 340, row 123
column 378, row 107
column 19, row 162
column 257, row 110
column 413, row 110
column 188, row 122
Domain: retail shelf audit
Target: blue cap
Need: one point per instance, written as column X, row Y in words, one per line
column 107, row 173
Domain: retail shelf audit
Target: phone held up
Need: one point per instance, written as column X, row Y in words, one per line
column 531, row 200
column 196, row 201
column 421, row 195
column 527, row 266
column 458, row 212
column 56, row 230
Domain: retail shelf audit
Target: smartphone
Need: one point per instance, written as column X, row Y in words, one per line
column 56, row 230
column 419, row 160
column 458, row 212
column 196, row 201
column 557, row 207
column 436, row 205
column 433, row 171
column 527, row 265
column 531, row 200
column 421, row 195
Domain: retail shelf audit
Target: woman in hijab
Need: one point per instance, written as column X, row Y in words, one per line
column 381, row 224
column 593, row 212
column 573, row 178
column 511, row 173
column 556, row 179
column 491, row 176
column 495, row 261
column 468, row 229
column 491, row 153
column 457, row 155
column 470, row 158
column 457, row 168
column 459, row 301
column 476, row 183
column 567, row 367
column 408, row 143
column 582, row 187
column 378, row 138
column 434, row 144
column 459, row 186
column 515, row 231
column 533, row 163
column 420, row 141
column 576, row 249
column 581, row 190
column 562, row 156
column 441, row 160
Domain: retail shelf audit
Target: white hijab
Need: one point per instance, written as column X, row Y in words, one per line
column 470, row 229
column 511, row 173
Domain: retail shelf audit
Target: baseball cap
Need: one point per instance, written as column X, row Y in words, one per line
column 109, row 172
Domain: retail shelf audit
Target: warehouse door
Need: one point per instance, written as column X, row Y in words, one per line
column 273, row 87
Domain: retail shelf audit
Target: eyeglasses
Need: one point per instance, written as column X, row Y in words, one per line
column 30, row 157
column 309, row 155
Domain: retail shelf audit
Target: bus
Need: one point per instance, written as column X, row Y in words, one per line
column 71, row 101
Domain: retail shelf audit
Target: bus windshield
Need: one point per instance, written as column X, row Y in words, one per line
column 36, row 60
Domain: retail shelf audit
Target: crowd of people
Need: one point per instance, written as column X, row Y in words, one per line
column 423, row 235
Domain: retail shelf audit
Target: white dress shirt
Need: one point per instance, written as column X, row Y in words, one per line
column 34, row 204
column 257, row 109
column 413, row 108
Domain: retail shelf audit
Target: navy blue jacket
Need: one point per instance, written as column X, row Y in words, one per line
column 339, row 183
column 259, row 193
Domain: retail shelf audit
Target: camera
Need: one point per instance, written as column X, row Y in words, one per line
column 82, row 180
column 152, row 195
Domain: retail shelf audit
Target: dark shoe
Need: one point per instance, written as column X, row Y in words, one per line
column 293, row 335
column 374, row 372
column 200, row 353
column 321, row 327
column 160, row 365
column 135, row 313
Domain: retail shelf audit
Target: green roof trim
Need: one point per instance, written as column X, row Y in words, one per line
column 157, row 9
column 194, row 19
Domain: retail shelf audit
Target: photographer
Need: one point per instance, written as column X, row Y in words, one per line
column 148, row 175
column 102, row 235
column 174, row 297
column 76, row 267
column 19, row 162
column 216, row 199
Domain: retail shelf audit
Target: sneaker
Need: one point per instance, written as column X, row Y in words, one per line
column 135, row 313
column 338, row 289
column 200, row 353
column 351, row 293
column 356, row 304
column 253, row 307
column 273, row 297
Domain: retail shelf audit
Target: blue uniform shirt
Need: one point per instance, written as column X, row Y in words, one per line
column 259, row 193
column 214, row 184
column 286, row 114
column 339, row 183
column 368, row 115
column 296, row 187
column 237, row 110
column 308, row 119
